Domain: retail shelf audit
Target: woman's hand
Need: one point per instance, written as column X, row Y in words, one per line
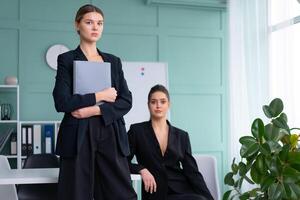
column 108, row 95
column 86, row 112
column 148, row 180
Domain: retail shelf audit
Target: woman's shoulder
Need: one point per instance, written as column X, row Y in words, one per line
column 179, row 132
column 139, row 125
column 110, row 56
column 67, row 55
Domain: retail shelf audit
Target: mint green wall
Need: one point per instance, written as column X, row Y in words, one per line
column 191, row 39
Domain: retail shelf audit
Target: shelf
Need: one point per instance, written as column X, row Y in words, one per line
column 8, row 121
column 9, row 86
column 11, row 156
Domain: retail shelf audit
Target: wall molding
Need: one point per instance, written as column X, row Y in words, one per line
column 199, row 3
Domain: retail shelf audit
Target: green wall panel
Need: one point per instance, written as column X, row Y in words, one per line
column 131, row 47
column 50, row 11
column 9, row 9
column 38, row 106
column 33, row 65
column 9, row 40
column 190, row 18
column 205, row 110
column 198, row 58
column 128, row 12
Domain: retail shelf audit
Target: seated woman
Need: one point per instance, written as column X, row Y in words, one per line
column 164, row 156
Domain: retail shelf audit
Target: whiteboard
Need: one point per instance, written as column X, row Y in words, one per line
column 140, row 77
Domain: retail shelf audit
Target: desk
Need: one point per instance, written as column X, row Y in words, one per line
column 39, row 176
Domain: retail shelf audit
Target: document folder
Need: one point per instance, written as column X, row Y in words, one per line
column 91, row 77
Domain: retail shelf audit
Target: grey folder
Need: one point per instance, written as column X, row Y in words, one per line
column 91, row 77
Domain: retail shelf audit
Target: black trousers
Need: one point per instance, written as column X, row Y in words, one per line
column 185, row 197
column 174, row 195
column 99, row 171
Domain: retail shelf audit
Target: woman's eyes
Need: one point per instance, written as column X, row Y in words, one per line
column 90, row 22
column 158, row 101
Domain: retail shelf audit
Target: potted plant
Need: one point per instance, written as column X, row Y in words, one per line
column 270, row 160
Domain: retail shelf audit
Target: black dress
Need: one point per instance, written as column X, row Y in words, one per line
column 176, row 172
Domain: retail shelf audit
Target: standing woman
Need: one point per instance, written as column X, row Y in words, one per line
column 164, row 156
column 92, row 140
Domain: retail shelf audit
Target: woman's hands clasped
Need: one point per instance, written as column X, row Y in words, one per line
column 108, row 95
column 148, row 180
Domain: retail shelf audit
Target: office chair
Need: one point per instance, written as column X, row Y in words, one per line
column 207, row 165
column 7, row 192
column 39, row 191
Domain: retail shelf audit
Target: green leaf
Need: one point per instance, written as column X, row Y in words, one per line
column 228, row 180
column 247, row 140
column 294, row 158
column 255, row 175
column 284, row 117
column 245, row 196
column 289, row 194
column 258, row 129
column 280, row 124
column 247, row 151
column 284, row 153
column 227, row 195
column 296, row 189
column 267, row 182
column 268, row 112
column 274, row 147
column 243, row 170
column 275, row 191
column 291, row 175
column 234, row 167
column 276, row 106
column 274, row 133
column 265, row 149
column 275, row 166
column 260, row 165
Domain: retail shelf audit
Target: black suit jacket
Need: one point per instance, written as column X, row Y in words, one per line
column 72, row 130
column 177, row 169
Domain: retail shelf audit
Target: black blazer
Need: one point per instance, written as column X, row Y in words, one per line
column 72, row 130
column 177, row 169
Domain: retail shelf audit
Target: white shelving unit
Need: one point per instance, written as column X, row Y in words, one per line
column 10, row 94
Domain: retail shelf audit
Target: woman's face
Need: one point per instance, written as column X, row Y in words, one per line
column 90, row 27
column 158, row 105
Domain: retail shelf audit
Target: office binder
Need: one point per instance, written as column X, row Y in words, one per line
column 13, row 144
column 24, row 141
column 29, row 141
column 91, row 77
column 48, row 140
column 37, row 139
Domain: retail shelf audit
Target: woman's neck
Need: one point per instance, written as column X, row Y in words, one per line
column 159, row 123
column 89, row 49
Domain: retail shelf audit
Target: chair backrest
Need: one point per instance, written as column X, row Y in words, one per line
column 41, row 161
column 7, row 192
column 207, row 165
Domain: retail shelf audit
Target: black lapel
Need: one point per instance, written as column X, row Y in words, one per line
column 79, row 55
column 171, row 136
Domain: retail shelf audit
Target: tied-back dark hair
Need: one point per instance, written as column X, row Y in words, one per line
column 86, row 9
column 158, row 88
